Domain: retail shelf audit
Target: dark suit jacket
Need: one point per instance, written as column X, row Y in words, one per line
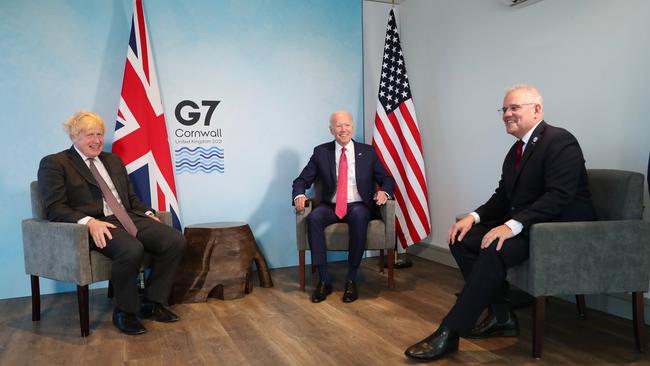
column 551, row 184
column 70, row 192
column 368, row 171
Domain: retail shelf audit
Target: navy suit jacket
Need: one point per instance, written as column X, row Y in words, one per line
column 70, row 192
column 550, row 185
column 368, row 171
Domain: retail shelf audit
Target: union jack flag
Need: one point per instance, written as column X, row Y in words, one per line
column 396, row 139
column 140, row 130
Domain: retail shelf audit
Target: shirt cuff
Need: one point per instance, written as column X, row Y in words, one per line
column 515, row 226
column 300, row 195
column 477, row 218
column 85, row 220
column 150, row 213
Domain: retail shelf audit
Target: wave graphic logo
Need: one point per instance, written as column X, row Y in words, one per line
column 199, row 160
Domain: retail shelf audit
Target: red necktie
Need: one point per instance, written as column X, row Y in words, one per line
column 519, row 145
column 342, row 187
column 116, row 207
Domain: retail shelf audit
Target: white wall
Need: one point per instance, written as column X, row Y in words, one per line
column 589, row 58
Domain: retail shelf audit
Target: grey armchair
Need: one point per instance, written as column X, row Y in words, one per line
column 60, row 251
column 605, row 256
column 381, row 236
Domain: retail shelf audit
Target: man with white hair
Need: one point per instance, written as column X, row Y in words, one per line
column 348, row 172
column 543, row 178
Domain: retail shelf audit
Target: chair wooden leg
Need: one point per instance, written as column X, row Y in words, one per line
column 301, row 266
column 36, row 299
column 391, row 261
column 580, row 302
column 82, row 299
column 111, row 291
column 539, row 309
column 638, row 319
column 381, row 261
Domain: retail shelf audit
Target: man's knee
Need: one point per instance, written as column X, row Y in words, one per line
column 131, row 254
column 174, row 243
column 491, row 257
column 315, row 218
column 178, row 243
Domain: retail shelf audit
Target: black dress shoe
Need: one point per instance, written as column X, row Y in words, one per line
column 439, row 344
column 320, row 293
column 127, row 322
column 351, row 292
column 157, row 312
column 492, row 327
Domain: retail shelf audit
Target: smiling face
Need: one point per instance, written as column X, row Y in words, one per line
column 523, row 109
column 90, row 141
column 86, row 130
column 341, row 127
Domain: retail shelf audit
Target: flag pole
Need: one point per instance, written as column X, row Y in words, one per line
column 397, row 141
column 402, row 261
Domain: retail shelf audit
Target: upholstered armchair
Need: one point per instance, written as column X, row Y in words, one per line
column 381, row 236
column 611, row 255
column 60, row 251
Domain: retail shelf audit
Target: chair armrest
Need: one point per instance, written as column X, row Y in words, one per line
column 301, row 226
column 56, row 250
column 387, row 212
column 589, row 257
column 165, row 217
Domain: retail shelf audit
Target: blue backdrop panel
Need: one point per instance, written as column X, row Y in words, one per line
column 278, row 68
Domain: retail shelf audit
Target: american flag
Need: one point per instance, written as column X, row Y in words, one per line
column 396, row 139
column 140, row 130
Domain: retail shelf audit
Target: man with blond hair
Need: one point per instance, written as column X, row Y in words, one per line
column 89, row 186
column 543, row 178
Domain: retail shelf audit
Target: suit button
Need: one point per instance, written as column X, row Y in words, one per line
column 512, row 208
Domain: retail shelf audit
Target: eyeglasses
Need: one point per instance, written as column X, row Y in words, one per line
column 513, row 107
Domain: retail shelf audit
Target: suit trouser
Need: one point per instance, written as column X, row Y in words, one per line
column 357, row 218
column 166, row 246
column 484, row 271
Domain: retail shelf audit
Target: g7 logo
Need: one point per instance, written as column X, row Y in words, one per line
column 195, row 112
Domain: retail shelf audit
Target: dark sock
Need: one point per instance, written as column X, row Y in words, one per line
column 352, row 274
column 323, row 274
column 502, row 311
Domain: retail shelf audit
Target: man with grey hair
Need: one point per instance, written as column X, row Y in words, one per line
column 543, row 178
column 88, row 186
column 348, row 172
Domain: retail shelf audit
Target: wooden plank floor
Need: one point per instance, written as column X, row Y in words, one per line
column 280, row 326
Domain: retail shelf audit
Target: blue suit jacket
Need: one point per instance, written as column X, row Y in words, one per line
column 322, row 165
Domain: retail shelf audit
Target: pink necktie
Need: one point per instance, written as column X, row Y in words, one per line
column 116, row 207
column 342, row 187
column 519, row 145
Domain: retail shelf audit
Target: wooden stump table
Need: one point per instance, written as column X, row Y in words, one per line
column 218, row 263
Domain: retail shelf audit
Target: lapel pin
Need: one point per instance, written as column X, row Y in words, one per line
column 534, row 139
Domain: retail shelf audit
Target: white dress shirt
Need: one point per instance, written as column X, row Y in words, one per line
column 353, row 193
column 104, row 173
